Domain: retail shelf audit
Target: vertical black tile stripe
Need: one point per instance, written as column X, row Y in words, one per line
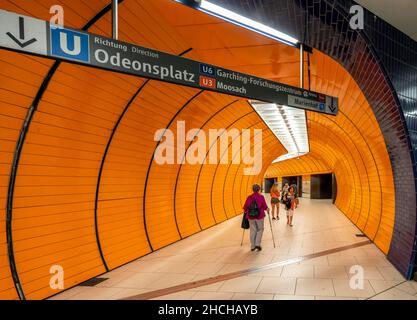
column 151, row 161
column 103, row 160
column 99, row 15
column 201, row 168
column 100, row 172
column 217, row 166
column 233, row 194
column 240, row 164
column 357, row 169
column 9, row 205
column 377, row 170
column 16, row 158
column 179, row 170
column 349, row 164
column 234, row 178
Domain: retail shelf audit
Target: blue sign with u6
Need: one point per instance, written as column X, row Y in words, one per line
column 207, row 69
column 69, row 44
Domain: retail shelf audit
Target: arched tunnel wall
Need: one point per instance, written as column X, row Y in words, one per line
column 363, row 171
column 87, row 193
column 352, row 146
column 381, row 59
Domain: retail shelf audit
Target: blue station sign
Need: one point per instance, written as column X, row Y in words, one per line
column 38, row 37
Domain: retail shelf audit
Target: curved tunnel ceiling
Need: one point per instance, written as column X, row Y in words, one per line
column 89, row 196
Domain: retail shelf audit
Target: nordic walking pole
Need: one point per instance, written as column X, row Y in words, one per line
column 272, row 232
column 243, row 235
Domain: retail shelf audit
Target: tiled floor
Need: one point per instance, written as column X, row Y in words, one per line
column 318, row 226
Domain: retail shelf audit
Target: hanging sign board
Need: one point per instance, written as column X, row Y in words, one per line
column 33, row 36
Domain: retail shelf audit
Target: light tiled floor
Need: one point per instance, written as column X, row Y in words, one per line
column 243, row 284
column 342, row 288
column 277, row 285
column 315, row 287
column 318, row 226
column 330, row 272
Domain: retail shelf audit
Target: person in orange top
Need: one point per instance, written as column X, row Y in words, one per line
column 275, row 197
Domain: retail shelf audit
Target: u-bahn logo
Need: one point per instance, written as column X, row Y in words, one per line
column 69, row 44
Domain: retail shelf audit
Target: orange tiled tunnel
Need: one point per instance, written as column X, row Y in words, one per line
column 88, row 194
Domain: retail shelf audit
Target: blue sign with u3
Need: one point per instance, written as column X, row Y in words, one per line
column 207, row 69
column 70, row 44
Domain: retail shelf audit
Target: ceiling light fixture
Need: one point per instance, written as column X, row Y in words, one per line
column 240, row 20
column 288, row 124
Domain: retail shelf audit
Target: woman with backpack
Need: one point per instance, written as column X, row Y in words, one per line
column 254, row 208
column 275, row 200
column 289, row 201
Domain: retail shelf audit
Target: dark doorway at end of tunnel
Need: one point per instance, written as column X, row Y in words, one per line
column 334, row 188
column 323, row 186
column 297, row 180
column 269, row 182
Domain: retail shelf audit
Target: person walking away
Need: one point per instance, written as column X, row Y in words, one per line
column 296, row 201
column 254, row 208
column 283, row 192
column 289, row 200
column 275, row 200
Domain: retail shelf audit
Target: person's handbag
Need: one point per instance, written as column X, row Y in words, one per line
column 245, row 222
column 288, row 203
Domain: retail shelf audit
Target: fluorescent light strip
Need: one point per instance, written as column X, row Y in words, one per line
column 247, row 23
column 288, row 124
